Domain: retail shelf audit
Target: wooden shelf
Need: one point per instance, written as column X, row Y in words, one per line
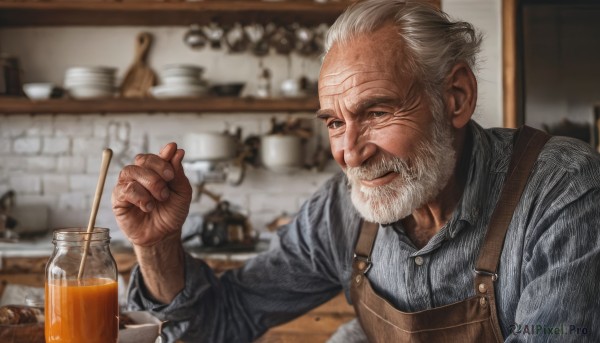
column 68, row 106
column 102, row 13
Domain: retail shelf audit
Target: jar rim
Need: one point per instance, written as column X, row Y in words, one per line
column 79, row 234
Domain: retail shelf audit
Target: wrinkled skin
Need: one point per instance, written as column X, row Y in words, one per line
column 371, row 108
column 152, row 197
column 375, row 109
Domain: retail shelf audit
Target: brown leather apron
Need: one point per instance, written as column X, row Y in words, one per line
column 472, row 320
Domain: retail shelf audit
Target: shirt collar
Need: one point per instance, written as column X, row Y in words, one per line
column 485, row 159
column 469, row 208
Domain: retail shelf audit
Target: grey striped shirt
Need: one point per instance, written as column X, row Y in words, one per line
column 549, row 272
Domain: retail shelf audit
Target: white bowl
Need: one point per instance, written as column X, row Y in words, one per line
column 38, row 90
column 91, row 70
column 181, row 80
column 89, row 82
column 178, row 91
column 85, row 92
column 181, row 70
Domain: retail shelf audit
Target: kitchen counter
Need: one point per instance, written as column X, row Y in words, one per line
column 24, row 263
column 42, row 247
column 39, row 247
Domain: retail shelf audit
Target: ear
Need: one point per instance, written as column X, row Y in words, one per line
column 460, row 94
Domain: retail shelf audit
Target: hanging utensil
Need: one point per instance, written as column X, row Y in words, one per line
column 195, row 37
column 283, row 40
column 214, row 32
column 236, row 39
column 140, row 77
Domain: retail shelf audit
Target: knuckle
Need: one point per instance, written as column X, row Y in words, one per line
column 127, row 172
column 156, row 186
column 140, row 159
column 129, row 188
column 127, row 192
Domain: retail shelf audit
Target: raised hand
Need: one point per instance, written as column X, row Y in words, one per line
column 152, row 197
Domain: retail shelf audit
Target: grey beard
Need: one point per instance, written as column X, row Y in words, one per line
column 419, row 180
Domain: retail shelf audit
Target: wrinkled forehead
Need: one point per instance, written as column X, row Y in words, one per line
column 379, row 54
column 352, row 77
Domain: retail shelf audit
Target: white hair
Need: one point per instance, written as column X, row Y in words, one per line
column 434, row 43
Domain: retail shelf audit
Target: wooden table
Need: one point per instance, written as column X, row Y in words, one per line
column 315, row 326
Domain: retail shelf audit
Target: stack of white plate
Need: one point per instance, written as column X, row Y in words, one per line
column 90, row 82
column 180, row 81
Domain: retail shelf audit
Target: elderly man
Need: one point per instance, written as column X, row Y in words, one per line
column 437, row 230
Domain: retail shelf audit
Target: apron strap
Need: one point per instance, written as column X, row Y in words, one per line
column 364, row 246
column 529, row 144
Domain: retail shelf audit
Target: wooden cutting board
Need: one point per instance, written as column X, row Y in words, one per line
column 140, row 77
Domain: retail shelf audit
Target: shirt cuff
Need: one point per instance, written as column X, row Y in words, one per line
column 197, row 281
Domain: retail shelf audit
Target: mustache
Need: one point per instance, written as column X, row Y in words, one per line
column 380, row 167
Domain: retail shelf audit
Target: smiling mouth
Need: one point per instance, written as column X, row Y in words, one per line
column 380, row 180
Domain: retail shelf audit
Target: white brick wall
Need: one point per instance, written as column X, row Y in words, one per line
column 5, row 145
column 14, row 126
column 88, row 146
column 13, row 163
column 55, row 183
column 41, row 163
column 70, row 164
column 83, row 182
column 73, row 126
column 26, row 184
column 75, row 201
column 54, row 160
column 41, row 126
column 27, row 145
column 56, row 145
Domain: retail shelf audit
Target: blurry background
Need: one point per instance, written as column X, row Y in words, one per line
column 52, row 159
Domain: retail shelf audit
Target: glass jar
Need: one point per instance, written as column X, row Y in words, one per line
column 81, row 309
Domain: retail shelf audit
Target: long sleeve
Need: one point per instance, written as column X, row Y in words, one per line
column 298, row 273
column 561, row 267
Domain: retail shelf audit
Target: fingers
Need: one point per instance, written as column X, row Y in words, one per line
column 130, row 193
column 177, row 160
column 139, row 187
column 174, row 155
column 151, row 179
column 155, row 184
column 168, row 151
column 156, row 164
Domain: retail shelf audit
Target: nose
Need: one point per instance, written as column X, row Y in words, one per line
column 357, row 148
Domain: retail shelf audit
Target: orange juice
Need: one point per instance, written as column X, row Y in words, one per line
column 82, row 311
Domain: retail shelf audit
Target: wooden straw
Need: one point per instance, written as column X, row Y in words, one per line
column 106, row 156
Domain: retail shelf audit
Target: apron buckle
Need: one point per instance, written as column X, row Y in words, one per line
column 362, row 263
column 486, row 273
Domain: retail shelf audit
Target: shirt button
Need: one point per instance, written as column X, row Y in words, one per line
column 419, row 261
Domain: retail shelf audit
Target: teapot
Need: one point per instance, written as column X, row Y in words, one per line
column 223, row 226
